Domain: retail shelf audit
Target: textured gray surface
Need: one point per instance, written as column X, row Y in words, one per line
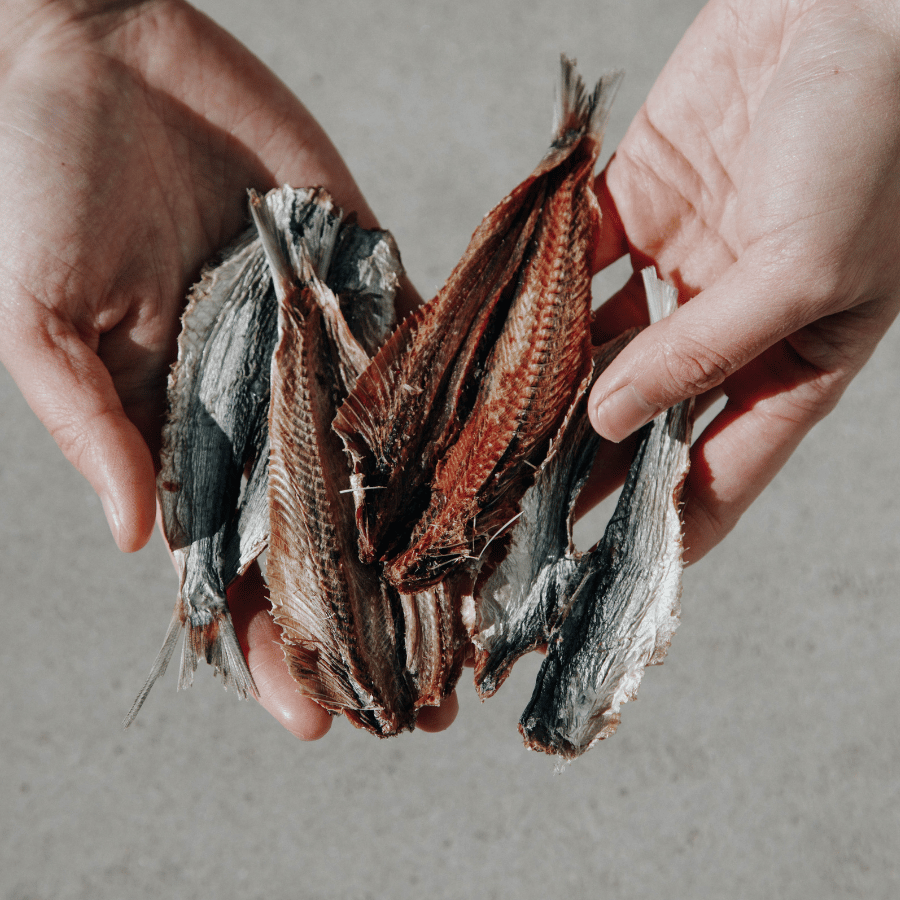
column 761, row 761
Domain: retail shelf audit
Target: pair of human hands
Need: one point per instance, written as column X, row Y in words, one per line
column 760, row 177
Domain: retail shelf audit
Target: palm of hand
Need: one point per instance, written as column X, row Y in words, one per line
column 133, row 149
column 762, row 176
column 131, row 139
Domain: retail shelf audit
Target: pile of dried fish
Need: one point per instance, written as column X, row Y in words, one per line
column 415, row 485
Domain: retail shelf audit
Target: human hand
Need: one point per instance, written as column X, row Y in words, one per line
column 129, row 134
column 762, row 178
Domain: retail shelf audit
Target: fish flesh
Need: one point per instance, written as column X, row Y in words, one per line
column 623, row 596
column 351, row 641
column 448, row 424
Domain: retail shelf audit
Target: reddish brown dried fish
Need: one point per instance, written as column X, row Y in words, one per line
column 449, row 422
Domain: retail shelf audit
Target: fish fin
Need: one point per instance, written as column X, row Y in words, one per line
column 576, row 113
column 216, row 642
column 159, row 665
column 263, row 218
column 662, row 298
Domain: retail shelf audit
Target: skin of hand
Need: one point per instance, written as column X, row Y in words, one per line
column 129, row 135
column 762, row 179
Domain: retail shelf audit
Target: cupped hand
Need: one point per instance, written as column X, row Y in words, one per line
column 762, row 178
column 129, row 135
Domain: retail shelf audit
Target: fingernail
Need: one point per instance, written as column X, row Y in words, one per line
column 622, row 413
column 112, row 516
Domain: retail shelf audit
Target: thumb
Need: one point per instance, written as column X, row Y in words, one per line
column 696, row 348
column 72, row 393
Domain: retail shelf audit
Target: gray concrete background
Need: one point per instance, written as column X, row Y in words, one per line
column 761, row 761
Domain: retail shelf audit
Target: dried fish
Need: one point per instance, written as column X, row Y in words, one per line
column 624, row 597
column 321, row 594
column 394, row 476
column 352, row 643
column 446, row 425
column 218, row 417
column 522, row 601
column 218, row 389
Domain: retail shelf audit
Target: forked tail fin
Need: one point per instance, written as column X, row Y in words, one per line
column 216, row 642
column 578, row 113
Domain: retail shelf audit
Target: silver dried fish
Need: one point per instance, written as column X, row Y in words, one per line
column 218, row 389
column 625, row 594
column 523, row 600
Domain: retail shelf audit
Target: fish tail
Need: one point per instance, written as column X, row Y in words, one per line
column 215, row 641
column 159, row 664
column 577, row 112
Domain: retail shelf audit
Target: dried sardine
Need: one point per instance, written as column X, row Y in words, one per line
column 218, row 389
column 625, row 595
column 218, row 416
column 522, row 601
column 462, row 401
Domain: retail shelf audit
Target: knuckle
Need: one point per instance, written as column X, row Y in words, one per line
column 693, row 368
column 812, row 401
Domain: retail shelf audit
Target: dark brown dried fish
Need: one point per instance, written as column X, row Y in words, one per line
column 624, row 596
column 520, row 604
column 448, row 423
column 352, row 643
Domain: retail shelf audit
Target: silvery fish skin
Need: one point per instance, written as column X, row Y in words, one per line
column 446, row 426
column 625, row 594
column 218, row 421
column 520, row 604
column 351, row 641
column 217, row 390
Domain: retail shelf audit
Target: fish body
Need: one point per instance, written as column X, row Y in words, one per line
column 520, row 604
column 447, row 424
column 624, row 596
column 218, row 392
column 351, row 641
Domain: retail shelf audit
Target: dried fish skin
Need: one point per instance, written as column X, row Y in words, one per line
column 520, row 604
column 365, row 275
column 408, row 409
column 625, row 597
